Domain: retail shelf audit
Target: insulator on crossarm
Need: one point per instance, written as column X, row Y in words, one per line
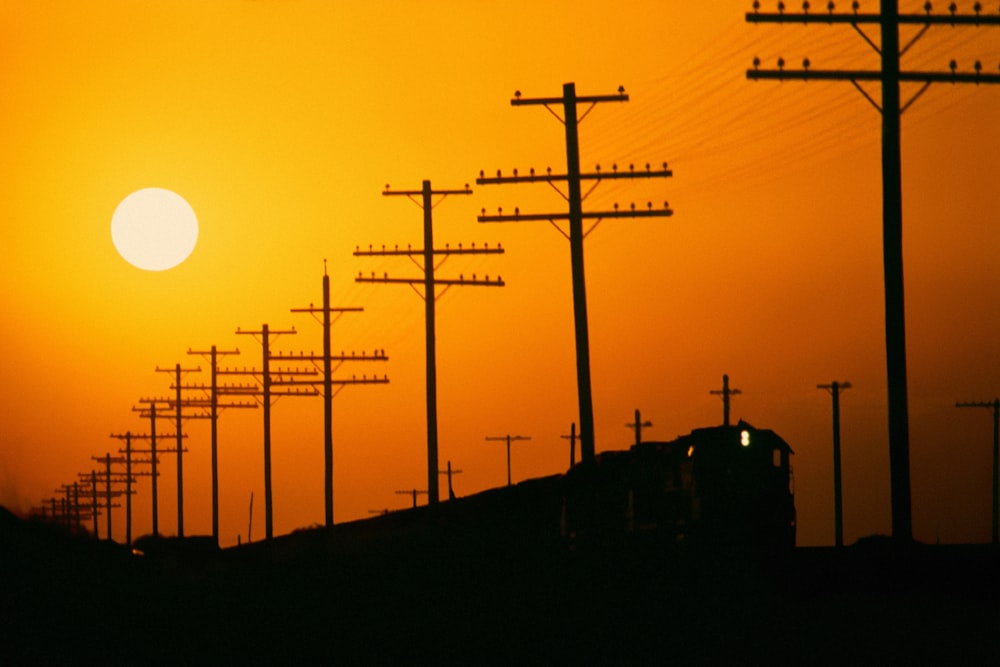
column 498, row 173
column 597, row 168
column 481, row 174
column 805, row 7
column 517, row 210
column 614, row 167
column 473, row 245
column 952, row 8
column 781, row 7
column 532, row 171
column 830, row 7
column 649, row 205
column 616, row 206
column 386, row 187
column 805, row 63
column 781, row 63
column 515, row 172
column 952, row 65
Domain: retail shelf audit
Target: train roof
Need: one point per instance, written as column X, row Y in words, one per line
column 718, row 433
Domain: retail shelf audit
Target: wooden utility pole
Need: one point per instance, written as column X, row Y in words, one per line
column 212, row 404
column 573, row 178
column 889, row 76
column 508, row 438
column 637, row 426
column 328, row 382
column 993, row 405
column 726, row 393
column 449, row 472
column 264, row 396
column 838, row 497
column 424, row 198
column 411, row 492
column 150, row 412
column 572, row 443
column 178, row 405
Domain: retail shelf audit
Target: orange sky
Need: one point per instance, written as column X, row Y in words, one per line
column 281, row 122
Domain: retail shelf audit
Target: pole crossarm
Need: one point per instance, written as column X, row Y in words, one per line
column 866, row 75
column 409, row 251
column 376, row 355
column 461, row 280
column 596, row 175
column 632, row 212
column 953, row 18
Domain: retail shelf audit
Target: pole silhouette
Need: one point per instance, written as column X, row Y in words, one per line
column 178, row 405
column 328, row 382
column 637, row 426
column 572, row 443
column 573, row 179
column 213, row 405
column 889, row 76
column 993, row 405
column 838, row 497
column 726, row 393
column 508, row 438
column 424, row 198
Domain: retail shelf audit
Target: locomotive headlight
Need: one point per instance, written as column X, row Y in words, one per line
column 745, row 438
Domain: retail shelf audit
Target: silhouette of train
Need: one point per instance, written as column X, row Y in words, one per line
column 718, row 486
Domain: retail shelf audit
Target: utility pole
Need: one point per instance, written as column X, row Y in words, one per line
column 150, row 412
column 130, row 475
column 328, row 393
column 575, row 216
column 213, row 405
column 412, row 492
column 638, row 425
column 265, row 394
column 838, row 498
column 178, row 404
column 889, row 75
column 572, row 443
column 508, row 438
column 450, row 472
column 424, row 198
column 726, row 393
column 993, row 405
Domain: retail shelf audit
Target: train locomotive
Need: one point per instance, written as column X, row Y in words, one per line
column 721, row 486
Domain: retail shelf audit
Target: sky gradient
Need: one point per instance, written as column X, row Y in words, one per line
column 281, row 123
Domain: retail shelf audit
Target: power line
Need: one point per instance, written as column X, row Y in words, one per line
column 424, row 198
column 890, row 106
column 574, row 196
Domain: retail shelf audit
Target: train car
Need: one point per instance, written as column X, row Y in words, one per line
column 717, row 486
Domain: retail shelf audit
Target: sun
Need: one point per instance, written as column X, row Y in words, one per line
column 154, row 229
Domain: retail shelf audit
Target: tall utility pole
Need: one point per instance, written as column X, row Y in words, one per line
column 328, row 393
column 993, row 405
column 725, row 393
column 150, row 411
column 575, row 216
column 424, row 198
column 265, row 394
column 838, row 496
column 889, row 75
column 178, row 405
column 637, row 426
column 213, row 405
column 508, row 438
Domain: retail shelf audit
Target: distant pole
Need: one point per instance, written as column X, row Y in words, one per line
column 178, row 404
column 411, row 492
column 994, row 405
column 725, row 392
column 250, row 524
column 638, row 425
column 152, row 458
column 508, row 438
column 572, row 443
column 93, row 496
column 450, row 472
column 128, row 488
column 838, row 498
column 107, row 489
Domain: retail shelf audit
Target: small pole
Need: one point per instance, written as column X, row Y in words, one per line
column 726, row 393
column 838, row 496
column 572, row 443
column 638, row 425
column 508, row 438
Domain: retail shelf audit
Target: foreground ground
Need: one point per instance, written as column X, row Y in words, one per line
column 414, row 589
